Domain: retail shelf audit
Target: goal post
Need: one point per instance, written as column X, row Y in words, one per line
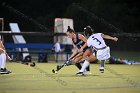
column 1, row 27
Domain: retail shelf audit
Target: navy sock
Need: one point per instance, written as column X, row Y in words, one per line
column 78, row 65
column 88, row 68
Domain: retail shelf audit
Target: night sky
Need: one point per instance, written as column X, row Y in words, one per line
column 123, row 14
column 35, row 9
column 106, row 16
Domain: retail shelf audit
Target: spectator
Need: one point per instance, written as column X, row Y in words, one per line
column 57, row 47
column 57, row 50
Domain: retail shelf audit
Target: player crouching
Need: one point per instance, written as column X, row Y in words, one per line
column 96, row 41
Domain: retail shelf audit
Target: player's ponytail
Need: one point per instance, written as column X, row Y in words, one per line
column 70, row 30
column 88, row 31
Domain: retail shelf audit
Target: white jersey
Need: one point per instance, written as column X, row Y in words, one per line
column 96, row 41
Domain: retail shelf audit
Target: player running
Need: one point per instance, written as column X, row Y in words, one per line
column 96, row 41
column 79, row 44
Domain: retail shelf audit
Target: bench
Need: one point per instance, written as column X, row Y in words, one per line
column 35, row 48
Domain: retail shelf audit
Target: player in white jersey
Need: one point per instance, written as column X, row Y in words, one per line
column 96, row 41
column 3, row 57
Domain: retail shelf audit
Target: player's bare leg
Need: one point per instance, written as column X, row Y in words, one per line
column 91, row 58
column 87, row 53
column 77, row 64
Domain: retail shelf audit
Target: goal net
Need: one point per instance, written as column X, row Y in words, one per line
column 60, row 26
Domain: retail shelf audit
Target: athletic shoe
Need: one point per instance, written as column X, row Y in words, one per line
column 101, row 70
column 87, row 73
column 80, row 74
column 5, row 71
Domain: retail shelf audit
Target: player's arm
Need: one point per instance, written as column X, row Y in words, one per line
column 74, row 51
column 81, row 37
column 2, row 46
column 109, row 37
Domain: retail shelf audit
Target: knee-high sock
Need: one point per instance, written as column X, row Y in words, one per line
column 78, row 65
column 85, row 65
column 102, row 63
column 88, row 68
column 3, row 60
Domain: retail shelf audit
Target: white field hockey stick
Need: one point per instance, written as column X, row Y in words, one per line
column 7, row 56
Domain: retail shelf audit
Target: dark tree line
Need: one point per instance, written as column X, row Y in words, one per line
column 105, row 16
column 123, row 14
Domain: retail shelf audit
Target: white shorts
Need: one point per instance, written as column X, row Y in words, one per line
column 103, row 54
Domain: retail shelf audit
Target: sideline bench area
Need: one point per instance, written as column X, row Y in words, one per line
column 44, row 51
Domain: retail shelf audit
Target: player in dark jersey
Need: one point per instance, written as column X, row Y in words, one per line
column 78, row 43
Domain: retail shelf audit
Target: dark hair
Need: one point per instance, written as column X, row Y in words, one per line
column 70, row 30
column 88, row 31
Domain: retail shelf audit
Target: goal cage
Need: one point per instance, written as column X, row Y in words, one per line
column 60, row 26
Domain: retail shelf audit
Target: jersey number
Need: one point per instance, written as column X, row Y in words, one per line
column 96, row 40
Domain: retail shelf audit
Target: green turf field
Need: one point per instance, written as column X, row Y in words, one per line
column 40, row 79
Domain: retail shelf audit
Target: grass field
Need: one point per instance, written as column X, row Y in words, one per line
column 40, row 79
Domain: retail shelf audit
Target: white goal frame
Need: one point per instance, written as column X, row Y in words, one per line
column 60, row 26
column 2, row 28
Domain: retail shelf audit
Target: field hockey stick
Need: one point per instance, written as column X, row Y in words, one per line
column 67, row 63
column 7, row 56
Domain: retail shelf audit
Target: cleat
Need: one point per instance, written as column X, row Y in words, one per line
column 80, row 74
column 5, row 71
column 102, row 70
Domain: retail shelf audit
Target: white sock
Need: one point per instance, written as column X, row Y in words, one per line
column 101, row 67
column 85, row 65
column 3, row 60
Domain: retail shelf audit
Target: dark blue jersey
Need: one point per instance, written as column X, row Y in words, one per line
column 79, row 43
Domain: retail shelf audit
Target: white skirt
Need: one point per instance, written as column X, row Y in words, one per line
column 103, row 54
